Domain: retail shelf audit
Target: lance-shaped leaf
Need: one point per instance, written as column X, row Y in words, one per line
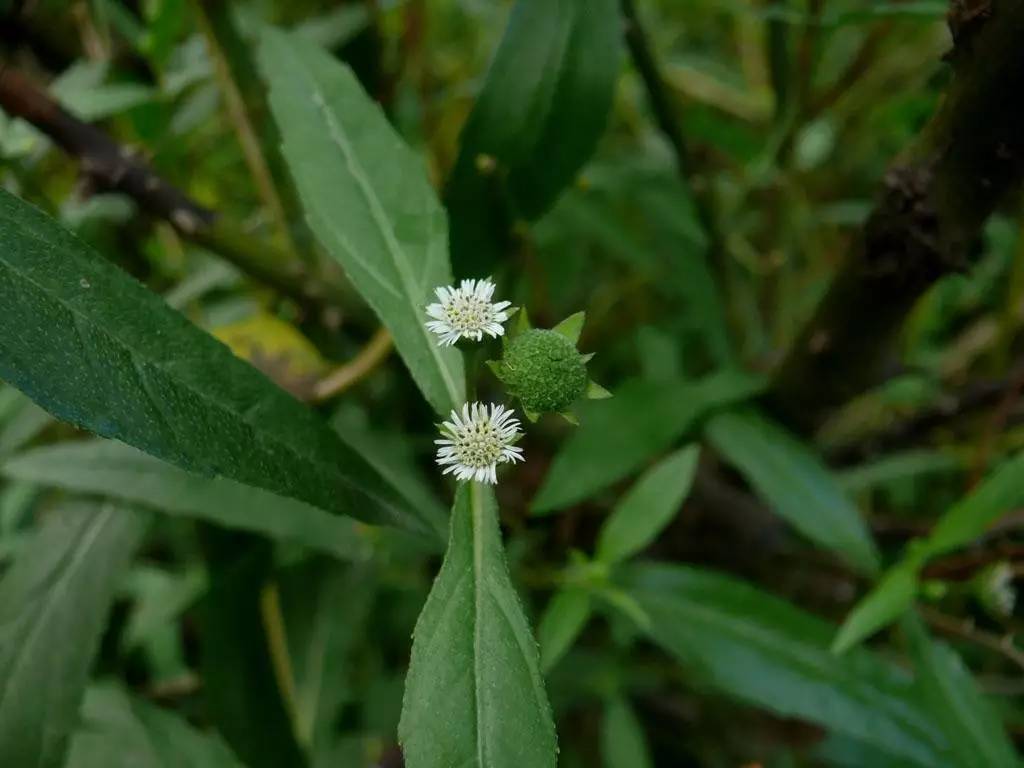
column 119, row 731
column 972, row 725
column 368, row 200
column 649, row 506
column 118, row 471
column 474, row 695
column 53, row 607
column 618, row 435
column 95, row 348
column 543, row 107
column 791, row 478
column 761, row 650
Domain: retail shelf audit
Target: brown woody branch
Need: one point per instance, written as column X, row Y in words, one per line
column 113, row 167
column 928, row 217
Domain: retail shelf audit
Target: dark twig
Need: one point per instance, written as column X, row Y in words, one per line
column 114, row 167
column 933, row 203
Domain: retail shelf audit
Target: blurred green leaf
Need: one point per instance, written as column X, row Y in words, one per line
column 564, row 618
column 474, row 694
column 618, row 435
column 893, row 595
column 791, row 478
column 649, row 506
column 327, row 610
column 368, row 201
column 623, row 744
column 93, row 347
column 247, row 685
column 1002, row 491
column 119, row 471
column 53, row 608
column 973, row 727
column 120, row 731
column 539, row 116
column 759, row 649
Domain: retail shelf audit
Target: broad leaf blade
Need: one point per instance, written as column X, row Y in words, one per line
column 368, row 201
column 119, row 731
column 95, row 348
column 542, row 109
column 794, row 481
column 623, row 744
column 248, row 696
column 649, row 506
column 971, row 724
column 474, row 695
column 53, row 607
column 564, row 618
column 890, row 598
column 755, row 647
column 618, row 435
column 1001, row 492
column 119, row 471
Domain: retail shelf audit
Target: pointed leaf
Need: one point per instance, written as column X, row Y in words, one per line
column 53, row 608
column 596, row 392
column 972, row 725
column 623, row 744
column 368, row 200
column 619, row 435
column 564, row 618
column 572, row 326
column 763, row 651
column 120, row 731
column 649, row 506
column 796, row 483
column 474, row 695
column 95, row 348
column 1001, row 492
column 119, row 471
column 892, row 596
column 542, row 109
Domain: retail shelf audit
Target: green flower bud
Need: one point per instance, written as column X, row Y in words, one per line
column 544, row 370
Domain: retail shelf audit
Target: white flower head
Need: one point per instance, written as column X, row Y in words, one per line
column 466, row 312
column 474, row 443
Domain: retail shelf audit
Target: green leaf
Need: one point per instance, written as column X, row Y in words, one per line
column 474, row 695
column 649, row 506
column 120, row 731
column 542, row 110
column 892, row 596
column 623, row 744
column 95, row 348
column 563, row 620
column 119, row 471
column 368, row 200
column 763, row 651
column 791, row 478
column 1001, row 492
column 247, row 695
column 619, row 434
column 53, row 608
column 971, row 724
column 572, row 326
column 327, row 610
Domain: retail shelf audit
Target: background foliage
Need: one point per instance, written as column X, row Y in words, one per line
column 792, row 536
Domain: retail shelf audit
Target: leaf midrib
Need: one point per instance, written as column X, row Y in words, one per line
column 476, row 518
column 328, row 468
column 81, row 547
column 384, row 226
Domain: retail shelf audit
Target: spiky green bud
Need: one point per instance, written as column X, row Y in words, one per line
column 544, row 370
